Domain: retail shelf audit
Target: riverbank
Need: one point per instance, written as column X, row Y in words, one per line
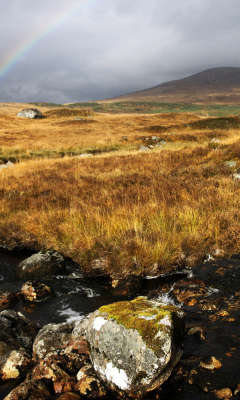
column 210, row 300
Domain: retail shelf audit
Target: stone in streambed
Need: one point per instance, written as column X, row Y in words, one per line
column 88, row 384
column 40, row 265
column 15, row 364
column 7, row 299
column 36, row 291
column 52, row 337
column 30, row 390
column 16, row 332
column 134, row 345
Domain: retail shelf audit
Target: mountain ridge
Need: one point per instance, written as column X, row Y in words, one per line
column 213, row 86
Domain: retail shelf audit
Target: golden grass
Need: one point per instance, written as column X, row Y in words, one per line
column 141, row 212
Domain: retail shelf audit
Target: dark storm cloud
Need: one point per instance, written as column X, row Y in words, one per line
column 112, row 47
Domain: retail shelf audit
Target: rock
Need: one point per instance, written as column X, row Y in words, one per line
column 32, row 113
column 236, row 174
column 16, row 332
column 128, row 286
column 40, row 265
column 64, row 387
column 134, row 345
column 85, row 155
column 30, row 390
column 225, row 393
column 143, row 148
column 60, row 365
column 125, row 138
column 198, row 332
column 15, row 364
column 237, row 389
column 7, row 299
column 69, row 396
column 36, row 291
column 51, row 337
column 98, row 267
column 210, row 363
column 9, row 164
column 88, row 384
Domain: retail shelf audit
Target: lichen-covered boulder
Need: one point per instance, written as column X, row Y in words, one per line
column 134, row 345
column 40, row 265
column 32, row 113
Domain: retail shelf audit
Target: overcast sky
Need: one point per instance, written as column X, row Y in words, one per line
column 80, row 50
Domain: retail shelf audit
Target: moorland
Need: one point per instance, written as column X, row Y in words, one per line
column 145, row 187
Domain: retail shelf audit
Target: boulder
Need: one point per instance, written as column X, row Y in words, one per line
column 51, row 337
column 32, row 113
column 30, row 390
column 36, row 291
column 16, row 332
column 41, row 265
column 134, row 345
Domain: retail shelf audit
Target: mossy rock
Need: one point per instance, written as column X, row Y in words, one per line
column 134, row 345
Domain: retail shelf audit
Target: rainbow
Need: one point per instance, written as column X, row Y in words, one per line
column 23, row 48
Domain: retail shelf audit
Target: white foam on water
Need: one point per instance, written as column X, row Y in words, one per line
column 71, row 314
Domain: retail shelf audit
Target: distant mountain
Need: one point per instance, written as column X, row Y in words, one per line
column 213, row 86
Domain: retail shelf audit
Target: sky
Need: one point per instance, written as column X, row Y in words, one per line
column 65, row 51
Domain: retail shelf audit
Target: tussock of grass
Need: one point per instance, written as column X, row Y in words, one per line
column 141, row 212
column 133, row 210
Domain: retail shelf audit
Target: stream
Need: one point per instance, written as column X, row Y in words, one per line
column 76, row 296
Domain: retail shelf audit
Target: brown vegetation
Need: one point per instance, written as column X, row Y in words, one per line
column 140, row 212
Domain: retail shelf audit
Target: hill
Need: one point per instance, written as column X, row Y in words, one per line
column 213, row 86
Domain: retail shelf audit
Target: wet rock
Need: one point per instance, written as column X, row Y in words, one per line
column 32, row 113
column 88, row 383
column 69, row 396
column 60, row 365
column 237, row 390
column 135, row 345
column 36, row 291
column 198, row 332
column 41, row 265
column 225, row 393
column 210, row 363
column 128, row 286
column 15, row 364
column 30, row 390
column 50, row 370
column 16, row 331
column 51, row 337
column 7, row 299
column 63, row 387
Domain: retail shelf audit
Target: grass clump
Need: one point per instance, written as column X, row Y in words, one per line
column 143, row 213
